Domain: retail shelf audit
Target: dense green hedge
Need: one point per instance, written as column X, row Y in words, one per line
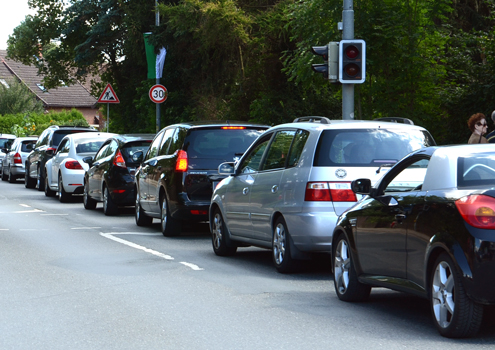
column 34, row 123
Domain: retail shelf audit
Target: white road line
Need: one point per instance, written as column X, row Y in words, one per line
column 147, row 250
column 192, row 266
column 84, row 228
column 28, row 211
column 54, row 214
column 25, row 205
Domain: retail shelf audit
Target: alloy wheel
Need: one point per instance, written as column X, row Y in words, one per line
column 443, row 296
column 279, row 242
column 342, row 265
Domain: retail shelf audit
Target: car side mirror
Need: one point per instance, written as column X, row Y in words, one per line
column 138, row 157
column 361, row 186
column 88, row 160
column 50, row 152
column 227, row 168
column 5, row 150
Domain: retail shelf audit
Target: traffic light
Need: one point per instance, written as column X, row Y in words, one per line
column 352, row 61
column 321, row 67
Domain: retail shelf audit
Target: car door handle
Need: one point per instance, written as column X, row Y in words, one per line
column 245, row 190
column 274, row 188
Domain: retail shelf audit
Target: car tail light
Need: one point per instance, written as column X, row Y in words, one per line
column 17, row 158
column 51, row 149
column 329, row 191
column 181, row 164
column 477, row 210
column 73, row 165
column 119, row 160
column 199, row 212
column 233, row 127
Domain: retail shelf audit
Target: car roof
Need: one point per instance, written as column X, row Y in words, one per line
column 133, row 137
column 7, row 136
column 27, row 138
column 349, row 124
column 210, row 123
column 91, row 135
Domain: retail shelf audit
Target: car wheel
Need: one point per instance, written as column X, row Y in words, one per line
column 170, row 226
column 141, row 218
column 109, row 207
column 40, row 180
column 29, row 182
column 222, row 245
column 455, row 315
column 4, row 176
column 88, row 202
column 281, row 247
column 63, row 196
column 347, row 285
column 48, row 192
column 12, row 179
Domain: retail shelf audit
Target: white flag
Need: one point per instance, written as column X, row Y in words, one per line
column 160, row 60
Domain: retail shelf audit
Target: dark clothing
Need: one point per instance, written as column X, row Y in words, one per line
column 491, row 137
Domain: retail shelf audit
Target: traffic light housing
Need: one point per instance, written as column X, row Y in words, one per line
column 321, row 67
column 352, row 61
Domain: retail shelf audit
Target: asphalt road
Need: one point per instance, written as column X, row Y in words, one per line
column 76, row 279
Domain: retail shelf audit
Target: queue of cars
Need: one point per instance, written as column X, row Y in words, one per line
column 393, row 209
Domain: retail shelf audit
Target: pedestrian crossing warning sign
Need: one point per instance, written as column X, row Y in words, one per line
column 108, row 95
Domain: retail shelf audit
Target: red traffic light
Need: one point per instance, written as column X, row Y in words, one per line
column 351, row 69
column 351, row 52
column 352, row 61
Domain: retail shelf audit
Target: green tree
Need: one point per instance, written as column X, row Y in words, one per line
column 15, row 98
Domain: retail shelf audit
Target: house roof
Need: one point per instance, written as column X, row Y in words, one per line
column 73, row 96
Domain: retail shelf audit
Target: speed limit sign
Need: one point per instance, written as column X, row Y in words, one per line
column 158, row 93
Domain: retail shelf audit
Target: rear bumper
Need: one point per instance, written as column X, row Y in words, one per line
column 312, row 232
column 188, row 210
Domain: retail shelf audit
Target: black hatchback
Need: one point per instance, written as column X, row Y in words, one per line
column 180, row 170
column 110, row 177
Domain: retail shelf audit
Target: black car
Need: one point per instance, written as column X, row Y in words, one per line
column 433, row 236
column 48, row 141
column 110, row 177
column 180, row 170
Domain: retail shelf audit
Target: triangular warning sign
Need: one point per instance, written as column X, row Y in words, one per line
column 108, row 95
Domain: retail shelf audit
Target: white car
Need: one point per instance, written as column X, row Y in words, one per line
column 64, row 172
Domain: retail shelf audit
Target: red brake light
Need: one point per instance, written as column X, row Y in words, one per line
column 329, row 191
column 17, row 158
column 73, row 165
column 51, row 149
column 119, row 160
column 477, row 210
column 233, row 127
column 181, row 164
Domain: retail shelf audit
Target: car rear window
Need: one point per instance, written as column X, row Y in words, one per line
column 368, row 147
column 60, row 134
column 219, row 142
column 132, row 147
column 88, row 146
column 24, row 146
column 476, row 169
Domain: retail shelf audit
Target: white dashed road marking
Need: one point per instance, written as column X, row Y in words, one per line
column 147, row 250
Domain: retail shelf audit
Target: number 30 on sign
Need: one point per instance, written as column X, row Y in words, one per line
column 158, row 93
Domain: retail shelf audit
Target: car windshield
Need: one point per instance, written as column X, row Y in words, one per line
column 368, row 147
column 476, row 170
column 5, row 142
column 132, row 147
column 224, row 143
column 88, row 146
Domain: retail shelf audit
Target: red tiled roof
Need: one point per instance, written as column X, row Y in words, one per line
column 73, row 96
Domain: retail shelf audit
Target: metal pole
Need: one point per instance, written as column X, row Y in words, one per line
column 158, row 111
column 348, row 34
column 108, row 116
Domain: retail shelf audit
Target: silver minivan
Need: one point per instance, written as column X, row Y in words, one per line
column 15, row 157
column 293, row 182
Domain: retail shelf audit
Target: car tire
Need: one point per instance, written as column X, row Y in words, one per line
column 28, row 181
column 222, row 245
column 12, row 179
column 141, row 218
column 48, row 191
column 281, row 253
column 88, row 202
column 170, row 226
column 40, row 180
column 63, row 196
column 4, row 176
column 347, row 285
column 455, row 315
column 109, row 207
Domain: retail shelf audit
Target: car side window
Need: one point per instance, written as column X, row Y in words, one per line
column 112, row 148
column 64, row 146
column 401, row 182
column 251, row 163
column 43, row 140
column 297, row 147
column 101, row 152
column 279, row 149
column 177, row 141
column 155, row 146
column 167, row 140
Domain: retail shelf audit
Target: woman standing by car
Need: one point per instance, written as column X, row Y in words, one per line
column 477, row 125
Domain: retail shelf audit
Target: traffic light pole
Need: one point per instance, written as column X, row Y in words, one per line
column 348, row 34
